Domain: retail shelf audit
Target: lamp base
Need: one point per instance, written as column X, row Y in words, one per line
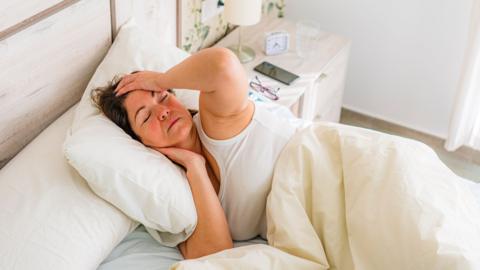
column 246, row 54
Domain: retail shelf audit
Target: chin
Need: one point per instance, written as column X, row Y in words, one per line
column 183, row 133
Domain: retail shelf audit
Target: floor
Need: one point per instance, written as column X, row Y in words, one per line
column 465, row 162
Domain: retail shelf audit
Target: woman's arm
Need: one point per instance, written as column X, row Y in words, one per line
column 220, row 77
column 211, row 233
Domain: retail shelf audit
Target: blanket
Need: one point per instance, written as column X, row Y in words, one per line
column 349, row 198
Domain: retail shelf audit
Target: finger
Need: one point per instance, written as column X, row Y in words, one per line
column 125, row 80
column 164, row 151
column 127, row 88
column 173, row 154
column 134, row 85
column 170, row 152
column 121, row 84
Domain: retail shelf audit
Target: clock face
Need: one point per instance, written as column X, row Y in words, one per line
column 276, row 43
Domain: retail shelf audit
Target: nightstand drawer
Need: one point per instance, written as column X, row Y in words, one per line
column 330, row 84
column 331, row 112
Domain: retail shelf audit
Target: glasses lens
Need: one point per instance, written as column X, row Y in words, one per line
column 265, row 91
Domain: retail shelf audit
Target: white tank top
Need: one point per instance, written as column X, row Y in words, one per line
column 246, row 164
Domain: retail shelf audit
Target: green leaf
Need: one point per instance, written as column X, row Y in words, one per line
column 204, row 32
column 270, row 7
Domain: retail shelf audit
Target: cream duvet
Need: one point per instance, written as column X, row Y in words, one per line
column 350, row 198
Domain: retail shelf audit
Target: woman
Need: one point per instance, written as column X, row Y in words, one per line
column 228, row 150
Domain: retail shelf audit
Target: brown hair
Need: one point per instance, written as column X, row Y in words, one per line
column 112, row 106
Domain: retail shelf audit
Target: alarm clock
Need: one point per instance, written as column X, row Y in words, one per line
column 276, row 42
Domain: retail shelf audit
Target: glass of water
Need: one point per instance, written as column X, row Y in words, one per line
column 307, row 37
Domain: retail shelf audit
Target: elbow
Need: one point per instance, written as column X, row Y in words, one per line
column 194, row 253
column 227, row 245
column 226, row 63
column 221, row 247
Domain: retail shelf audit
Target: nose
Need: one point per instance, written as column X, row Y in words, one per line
column 163, row 112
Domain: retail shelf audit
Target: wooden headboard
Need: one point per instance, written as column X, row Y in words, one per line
column 49, row 49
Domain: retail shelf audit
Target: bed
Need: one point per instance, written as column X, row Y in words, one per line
column 50, row 218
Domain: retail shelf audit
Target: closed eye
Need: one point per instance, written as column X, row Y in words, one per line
column 161, row 99
column 146, row 119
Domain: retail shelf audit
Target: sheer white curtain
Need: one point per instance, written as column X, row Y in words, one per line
column 465, row 121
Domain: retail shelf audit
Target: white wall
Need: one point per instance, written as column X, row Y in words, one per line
column 405, row 59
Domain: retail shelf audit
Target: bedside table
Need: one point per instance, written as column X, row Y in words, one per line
column 318, row 93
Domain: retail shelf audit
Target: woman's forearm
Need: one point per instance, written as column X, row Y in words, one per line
column 207, row 71
column 211, row 233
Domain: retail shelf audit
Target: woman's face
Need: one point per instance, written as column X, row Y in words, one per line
column 158, row 118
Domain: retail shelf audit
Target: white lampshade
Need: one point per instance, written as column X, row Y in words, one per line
column 243, row 12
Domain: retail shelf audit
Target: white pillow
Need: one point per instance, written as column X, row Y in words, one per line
column 140, row 181
column 49, row 217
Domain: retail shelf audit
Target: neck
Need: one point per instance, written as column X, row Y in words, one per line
column 193, row 143
column 197, row 146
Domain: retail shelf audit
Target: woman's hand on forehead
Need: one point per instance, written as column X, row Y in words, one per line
column 143, row 80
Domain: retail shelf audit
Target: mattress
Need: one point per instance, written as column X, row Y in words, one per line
column 138, row 251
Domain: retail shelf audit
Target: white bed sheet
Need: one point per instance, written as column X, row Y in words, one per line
column 476, row 190
column 139, row 251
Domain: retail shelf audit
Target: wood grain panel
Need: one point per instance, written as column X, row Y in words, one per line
column 45, row 68
column 15, row 11
column 35, row 18
column 156, row 16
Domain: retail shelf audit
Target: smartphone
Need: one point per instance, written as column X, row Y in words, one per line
column 276, row 73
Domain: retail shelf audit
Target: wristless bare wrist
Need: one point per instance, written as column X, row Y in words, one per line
column 196, row 166
column 161, row 81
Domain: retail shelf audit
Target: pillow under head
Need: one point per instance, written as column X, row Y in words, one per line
column 140, row 181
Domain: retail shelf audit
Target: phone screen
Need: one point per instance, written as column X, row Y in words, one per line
column 275, row 73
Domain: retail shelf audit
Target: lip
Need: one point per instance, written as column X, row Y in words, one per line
column 173, row 123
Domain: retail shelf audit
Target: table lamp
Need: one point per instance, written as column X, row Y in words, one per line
column 242, row 13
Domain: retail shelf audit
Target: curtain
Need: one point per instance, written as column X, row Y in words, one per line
column 465, row 121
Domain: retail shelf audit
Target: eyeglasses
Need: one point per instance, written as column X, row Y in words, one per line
column 264, row 90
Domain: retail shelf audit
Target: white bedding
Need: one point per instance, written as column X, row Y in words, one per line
column 476, row 190
column 140, row 251
column 78, row 232
column 350, row 198
column 49, row 217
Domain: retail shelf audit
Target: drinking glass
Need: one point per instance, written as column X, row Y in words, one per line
column 307, row 37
